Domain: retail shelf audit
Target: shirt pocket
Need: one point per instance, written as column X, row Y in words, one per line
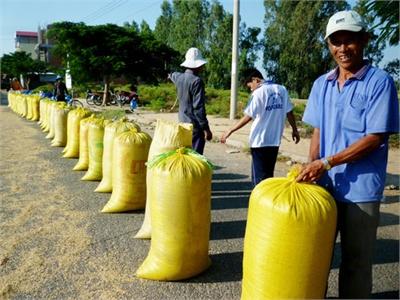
column 354, row 114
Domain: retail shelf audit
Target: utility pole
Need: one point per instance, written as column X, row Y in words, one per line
column 235, row 50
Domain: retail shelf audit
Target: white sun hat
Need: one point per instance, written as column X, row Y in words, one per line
column 347, row 20
column 193, row 59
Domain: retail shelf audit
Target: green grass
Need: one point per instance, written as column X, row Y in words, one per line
column 113, row 114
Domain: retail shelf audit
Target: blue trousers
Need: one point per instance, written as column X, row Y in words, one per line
column 198, row 141
column 263, row 163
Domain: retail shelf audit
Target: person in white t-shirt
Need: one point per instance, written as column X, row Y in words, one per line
column 268, row 107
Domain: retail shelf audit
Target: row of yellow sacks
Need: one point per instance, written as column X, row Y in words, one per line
column 116, row 153
column 26, row 106
column 289, row 235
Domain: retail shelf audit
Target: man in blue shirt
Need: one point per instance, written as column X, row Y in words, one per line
column 191, row 95
column 353, row 109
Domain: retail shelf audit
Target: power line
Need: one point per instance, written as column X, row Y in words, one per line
column 140, row 10
column 107, row 10
column 111, row 3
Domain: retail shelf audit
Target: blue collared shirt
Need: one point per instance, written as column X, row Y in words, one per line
column 366, row 104
column 191, row 95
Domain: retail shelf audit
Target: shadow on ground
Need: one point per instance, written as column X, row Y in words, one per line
column 228, row 264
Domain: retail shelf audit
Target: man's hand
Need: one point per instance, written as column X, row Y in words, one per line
column 225, row 136
column 311, row 172
column 208, row 134
column 295, row 136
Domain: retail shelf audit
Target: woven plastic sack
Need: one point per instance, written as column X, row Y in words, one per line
column 130, row 152
column 110, row 132
column 52, row 120
column 289, row 240
column 180, row 207
column 75, row 116
column 23, row 111
column 167, row 136
column 35, row 108
column 60, row 125
column 11, row 100
column 83, row 162
column 29, row 107
column 46, row 127
column 42, row 111
column 95, row 149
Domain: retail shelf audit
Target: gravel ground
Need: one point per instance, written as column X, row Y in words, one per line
column 55, row 243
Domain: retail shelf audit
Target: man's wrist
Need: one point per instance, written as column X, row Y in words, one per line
column 326, row 162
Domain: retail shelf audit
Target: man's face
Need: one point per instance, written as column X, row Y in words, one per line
column 253, row 84
column 347, row 48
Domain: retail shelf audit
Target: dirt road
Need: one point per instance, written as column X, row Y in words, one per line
column 55, row 243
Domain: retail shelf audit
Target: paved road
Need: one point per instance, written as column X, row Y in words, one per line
column 56, row 244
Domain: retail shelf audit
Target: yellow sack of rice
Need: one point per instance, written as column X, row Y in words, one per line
column 83, row 162
column 46, row 124
column 35, row 108
column 180, row 208
column 42, row 111
column 23, row 106
column 130, row 152
column 75, row 116
column 289, row 240
column 110, row 132
column 11, row 99
column 52, row 120
column 29, row 107
column 95, row 148
column 60, row 125
column 167, row 136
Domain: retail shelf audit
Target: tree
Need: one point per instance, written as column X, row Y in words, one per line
column 163, row 24
column 385, row 15
column 187, row 24
column 393, row 68
column 218, row 46
column 249, row 45
column 373, row 52
column 105, row 52
column 21, row 63
column 295, row 53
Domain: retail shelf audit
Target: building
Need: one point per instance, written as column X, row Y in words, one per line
column 43, row 48
column 26, row 41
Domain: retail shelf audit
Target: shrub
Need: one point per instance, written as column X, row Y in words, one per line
column 157, row 97
column 48, row 87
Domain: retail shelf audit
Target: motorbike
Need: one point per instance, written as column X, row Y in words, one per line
column 130, row 98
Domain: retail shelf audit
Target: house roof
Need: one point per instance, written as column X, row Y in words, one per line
column 27, row 33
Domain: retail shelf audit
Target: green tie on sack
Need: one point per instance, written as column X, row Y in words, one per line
column 289, row 240
column 110, row 132
column 167, row 136
column 180, row 220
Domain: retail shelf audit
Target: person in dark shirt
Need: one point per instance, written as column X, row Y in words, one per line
column 191, row 95
column 60, row 90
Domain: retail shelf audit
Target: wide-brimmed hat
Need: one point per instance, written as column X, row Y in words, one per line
column 193, row 59
column 347, row 20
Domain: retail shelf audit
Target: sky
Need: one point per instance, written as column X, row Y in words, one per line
column 27, row 15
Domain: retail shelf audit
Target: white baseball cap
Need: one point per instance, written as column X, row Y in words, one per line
column 347, row 20
column 193, row 59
